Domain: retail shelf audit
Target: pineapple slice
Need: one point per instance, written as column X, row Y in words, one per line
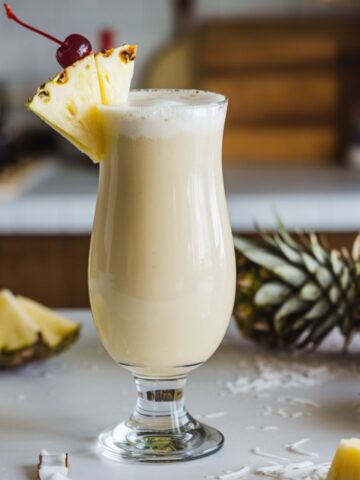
column 115, row 70
column 68, row 104
column 29, row 331
column 346, row 463
column 17, row 329
column 55, row 329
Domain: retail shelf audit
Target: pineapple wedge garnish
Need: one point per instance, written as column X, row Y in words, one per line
column 115, row 70
column 346, row 463
column 68, row 102
column 29, row 331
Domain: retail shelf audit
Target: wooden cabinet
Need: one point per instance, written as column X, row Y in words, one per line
column 293, row 84
column 49, row 268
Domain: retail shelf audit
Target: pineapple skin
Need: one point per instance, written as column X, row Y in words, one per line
column 291, row 293
column 346, row 463
column 256, row 323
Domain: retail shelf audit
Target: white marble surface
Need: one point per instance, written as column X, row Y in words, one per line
column 63, row 200
column 62, row 404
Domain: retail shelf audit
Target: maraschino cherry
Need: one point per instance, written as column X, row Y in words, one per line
column 73, row 48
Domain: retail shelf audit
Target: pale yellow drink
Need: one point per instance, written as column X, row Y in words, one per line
column 162, row 267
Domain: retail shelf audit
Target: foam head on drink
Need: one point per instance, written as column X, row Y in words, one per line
column 165, row 113
column 162, row 269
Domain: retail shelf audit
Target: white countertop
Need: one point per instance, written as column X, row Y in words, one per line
column 63, row 403
column 61, row 199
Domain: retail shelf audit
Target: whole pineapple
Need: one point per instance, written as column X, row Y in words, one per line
column 292, row 293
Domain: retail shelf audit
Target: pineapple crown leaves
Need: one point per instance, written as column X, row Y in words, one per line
column 311, row 289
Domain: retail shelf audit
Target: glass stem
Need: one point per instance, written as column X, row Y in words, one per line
column 160, row 405
column 160, row 429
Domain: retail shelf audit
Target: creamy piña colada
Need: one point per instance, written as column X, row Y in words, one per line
column 162, row 266
column 162, row 269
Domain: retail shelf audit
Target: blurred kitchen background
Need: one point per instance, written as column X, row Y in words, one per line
column 291, row 69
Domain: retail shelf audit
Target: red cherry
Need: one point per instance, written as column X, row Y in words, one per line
column 72, row 49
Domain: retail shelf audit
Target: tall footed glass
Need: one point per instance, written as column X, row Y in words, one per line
column 162, row 266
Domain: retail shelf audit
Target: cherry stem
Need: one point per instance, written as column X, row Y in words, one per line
column 11, row 15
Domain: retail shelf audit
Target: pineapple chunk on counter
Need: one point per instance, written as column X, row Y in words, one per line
column 17, row 329
column 53, row 327
column 346, row 463
column 29, row 331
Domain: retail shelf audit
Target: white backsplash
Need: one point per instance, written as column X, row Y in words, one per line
column 28, row 56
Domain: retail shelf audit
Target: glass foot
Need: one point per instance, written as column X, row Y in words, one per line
column 122, row 444
column 160, row 429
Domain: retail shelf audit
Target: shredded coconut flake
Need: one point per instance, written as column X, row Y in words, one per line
column 296, row 400
column 266, row 427
column 271, row 470
column 304, row 401
column 295, row 471
column 296, row 448
column 279, row 412
column 297, row 414
column 272, row 373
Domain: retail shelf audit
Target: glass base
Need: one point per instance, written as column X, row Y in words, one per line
column 160, row 429
column 122, row 444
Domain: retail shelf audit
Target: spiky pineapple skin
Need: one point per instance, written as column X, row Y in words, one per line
column 325, row 294
column 254, row 322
